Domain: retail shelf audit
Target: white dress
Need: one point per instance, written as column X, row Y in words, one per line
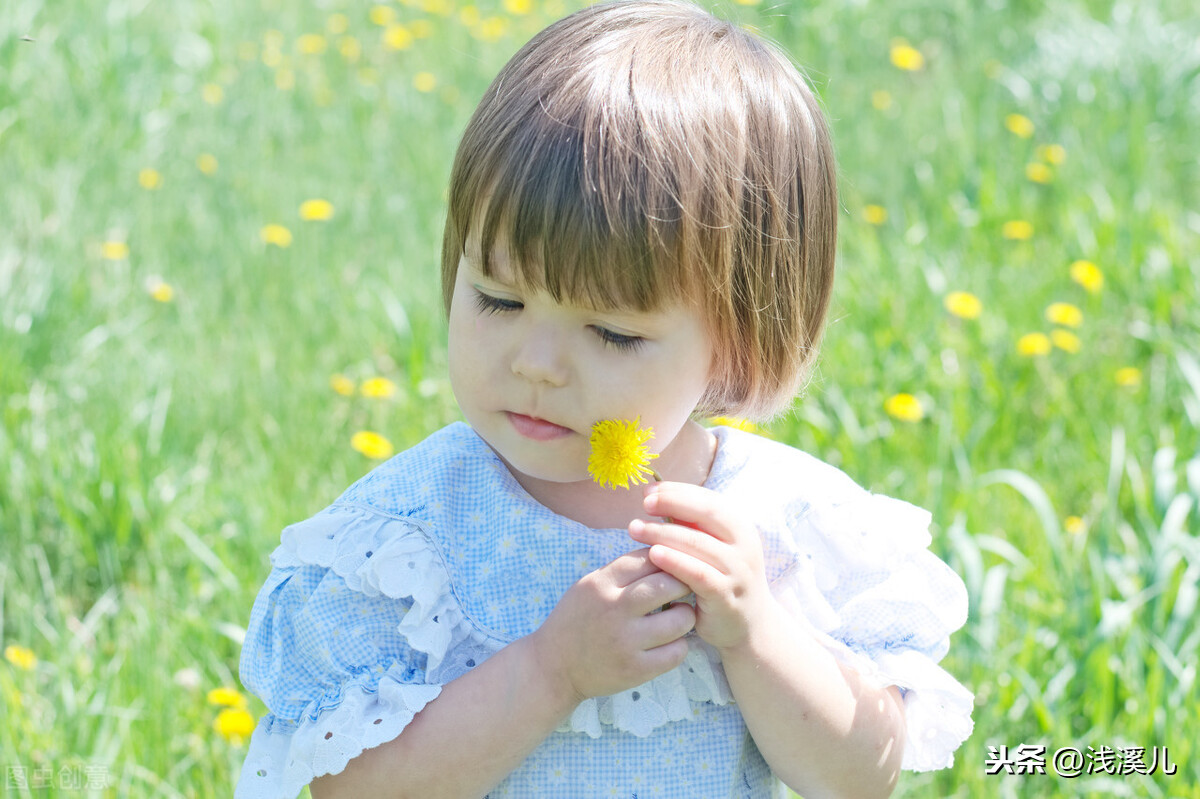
column 438, row 558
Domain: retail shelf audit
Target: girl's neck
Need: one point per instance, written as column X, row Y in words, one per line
column 688, row 459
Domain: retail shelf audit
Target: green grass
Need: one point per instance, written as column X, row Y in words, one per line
column 150, row 452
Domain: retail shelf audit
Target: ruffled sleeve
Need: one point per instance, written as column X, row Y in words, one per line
column 868, row 587
column 353, row 633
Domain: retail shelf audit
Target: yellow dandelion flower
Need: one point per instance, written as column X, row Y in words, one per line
column 1039, row 172
column 382, row 15
column 1074, row 525
column 149, row 179
column 337, row 24
column 372, row 445
column 735, row 422
column 963, row 304
column 1052, row 153
column 875, row 214
column 1065, row 340
column 518, row 7
column 881, row 99
column 398, row 37
column 276, row 234
column 311, row 44
column 904, row 407
column 378, row 388
column 1033, row 344
column 424, row 81
column 350, row 48
column 1128, row 377
column 1017, row 230
column 316, row 210
column 227, row 697
column 212, row 93
column 206, row 163
column 491, row 29
column 234, row 725
column 443, row 8
column 285, row 79
column 469, row 16
column 272, row 58
column 1088, row 275
column 905, row 56
column 342, row 385
column 421, row 28
column 114, row 251
column 161, row 291
column 619, row 454
column 1064, row 313
column 1020, row 125
column 20, row 656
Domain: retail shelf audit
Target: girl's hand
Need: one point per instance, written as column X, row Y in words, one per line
column 709, row 546
column 603, row 638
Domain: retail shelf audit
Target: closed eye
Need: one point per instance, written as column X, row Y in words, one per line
column 488, row 304
column 618, row 340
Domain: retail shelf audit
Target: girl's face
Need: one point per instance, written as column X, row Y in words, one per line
column 532, row 375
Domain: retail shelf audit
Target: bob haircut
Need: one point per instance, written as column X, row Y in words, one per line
column 639, row 154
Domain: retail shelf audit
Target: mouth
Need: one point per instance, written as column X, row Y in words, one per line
column 537, row 429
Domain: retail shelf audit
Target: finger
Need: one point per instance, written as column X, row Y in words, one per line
column 653, row 591
column 662, row 659
column 706, row 581
column 686, row 503
column 663, row 628
column 697, row 543
column 629, row 568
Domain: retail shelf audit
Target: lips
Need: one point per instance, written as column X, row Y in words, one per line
column 537, row 429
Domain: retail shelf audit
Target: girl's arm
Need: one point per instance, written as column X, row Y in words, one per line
column 822, row 730
column 599, row 640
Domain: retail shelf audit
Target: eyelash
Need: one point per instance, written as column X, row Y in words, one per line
column 488, row 304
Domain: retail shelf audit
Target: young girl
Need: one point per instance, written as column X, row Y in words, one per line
column 641, row 226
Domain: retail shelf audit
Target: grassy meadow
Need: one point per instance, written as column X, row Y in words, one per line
column 189, row 345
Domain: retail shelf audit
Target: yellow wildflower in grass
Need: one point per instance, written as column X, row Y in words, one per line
column 518, row 7
column 443, row 8
column 227, row 697
column 904, row 407
column 1039, row 173
column 424, row 81
column 1017, row 230
column 342, row 385
column 735, row 422
column 382, row 15
column 1052, row 153
column 234, row 725
column 1065, row 340
column 875, row 214
column 311, row 44
column 1064, row 313
column 491, row 29
column 1074, row 525
column 619, row 454
column 1088, row 275
column 398, row 37
column 273, row 39
column 1020, row 125
column 905, row 56
column 421, row 28
column 212, row 93
column 372, row 445
column 1128, row 377
column 21, row 657
column 285, row 79
column 276, row 234
column 350, row 49
column 316, row 210
column 963, row 304
column 206, row 163
column 1033, row 344
column 161, row 291
column 114, row 251
column 337, row 24
column 469, row 16
column 378, row 388
column 149, row 179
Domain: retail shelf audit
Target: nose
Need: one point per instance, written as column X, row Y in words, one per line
column 539, row 358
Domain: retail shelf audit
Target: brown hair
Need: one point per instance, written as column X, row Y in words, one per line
column 638, row 153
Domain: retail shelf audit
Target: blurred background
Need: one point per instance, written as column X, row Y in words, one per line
column 219, row 238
